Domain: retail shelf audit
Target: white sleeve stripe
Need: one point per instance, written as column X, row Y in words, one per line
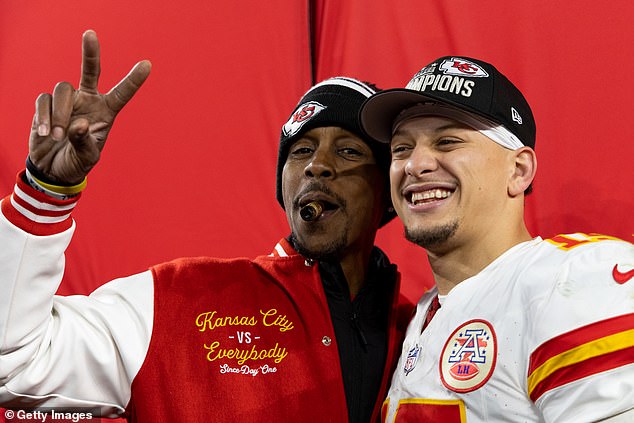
column 280, row 251
column 37, row 218
column 38, row 204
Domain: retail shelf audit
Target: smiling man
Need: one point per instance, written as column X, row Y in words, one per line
column 308, row 333
column 517, row 328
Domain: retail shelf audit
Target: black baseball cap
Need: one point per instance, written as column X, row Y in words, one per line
column 467, row 84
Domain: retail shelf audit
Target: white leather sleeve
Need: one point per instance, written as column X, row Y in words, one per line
column 76, row 351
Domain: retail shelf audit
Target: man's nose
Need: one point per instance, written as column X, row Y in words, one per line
column 422, row 160
column 321, row 165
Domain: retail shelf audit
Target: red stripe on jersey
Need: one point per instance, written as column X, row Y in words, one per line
column 384, row 408
column 428, row 410
column 585, row 368
column 579, row 336
column 585, row 351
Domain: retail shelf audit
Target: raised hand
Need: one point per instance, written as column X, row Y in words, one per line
column 70, row 127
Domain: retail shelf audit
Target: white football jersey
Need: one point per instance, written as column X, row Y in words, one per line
column 544, row 333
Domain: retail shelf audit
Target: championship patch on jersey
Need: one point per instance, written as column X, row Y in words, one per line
column 303, row 114
column 412, row 359
column 469, row 356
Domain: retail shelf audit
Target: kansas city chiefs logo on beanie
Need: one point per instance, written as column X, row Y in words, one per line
column 303, row 114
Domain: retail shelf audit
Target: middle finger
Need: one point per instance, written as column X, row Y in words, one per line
column 62, row 109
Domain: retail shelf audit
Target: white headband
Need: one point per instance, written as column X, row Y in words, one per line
column 494, row 131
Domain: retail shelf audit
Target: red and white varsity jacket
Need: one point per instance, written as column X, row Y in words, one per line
column 191, row 340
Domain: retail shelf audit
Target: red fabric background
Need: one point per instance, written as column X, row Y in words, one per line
column 190, row 165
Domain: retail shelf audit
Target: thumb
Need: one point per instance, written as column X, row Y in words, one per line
column 86, row 149
column 78, row 133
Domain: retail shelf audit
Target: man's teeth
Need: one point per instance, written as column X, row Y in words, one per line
column 435, row 194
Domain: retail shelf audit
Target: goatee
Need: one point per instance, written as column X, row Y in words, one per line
column 332, row 250
column 431, row 237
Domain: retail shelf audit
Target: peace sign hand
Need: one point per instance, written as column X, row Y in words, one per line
column 70, row 127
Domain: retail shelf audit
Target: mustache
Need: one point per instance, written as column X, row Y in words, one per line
column 316, row 186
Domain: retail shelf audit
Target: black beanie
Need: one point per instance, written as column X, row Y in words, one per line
column 332, row 102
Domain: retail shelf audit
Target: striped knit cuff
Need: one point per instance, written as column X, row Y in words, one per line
column 35, row 212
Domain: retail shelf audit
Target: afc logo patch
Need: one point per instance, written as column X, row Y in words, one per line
column 469, row 356
column 302, row 114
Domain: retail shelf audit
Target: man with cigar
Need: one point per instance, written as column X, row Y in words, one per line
column 307, row 333
column 517, row 328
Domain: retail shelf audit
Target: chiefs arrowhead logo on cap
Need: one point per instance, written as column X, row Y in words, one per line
column 302, row 114
column 462, row 67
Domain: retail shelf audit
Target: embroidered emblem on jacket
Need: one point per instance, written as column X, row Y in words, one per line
column 237, row 344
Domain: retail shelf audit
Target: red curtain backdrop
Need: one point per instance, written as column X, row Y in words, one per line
column 189, row 168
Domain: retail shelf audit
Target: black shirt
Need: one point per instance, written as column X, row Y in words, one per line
column 360, row 326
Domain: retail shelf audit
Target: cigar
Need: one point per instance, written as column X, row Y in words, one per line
column 311, row 211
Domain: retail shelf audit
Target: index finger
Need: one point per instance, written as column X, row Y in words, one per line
column 90, row 64
column 119, row 96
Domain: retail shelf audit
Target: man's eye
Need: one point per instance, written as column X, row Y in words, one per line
column 449, row 141
column 298, row 151
column 396, row 149
column 350, row 151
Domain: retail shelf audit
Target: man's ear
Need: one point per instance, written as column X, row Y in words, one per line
column 524, row 171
